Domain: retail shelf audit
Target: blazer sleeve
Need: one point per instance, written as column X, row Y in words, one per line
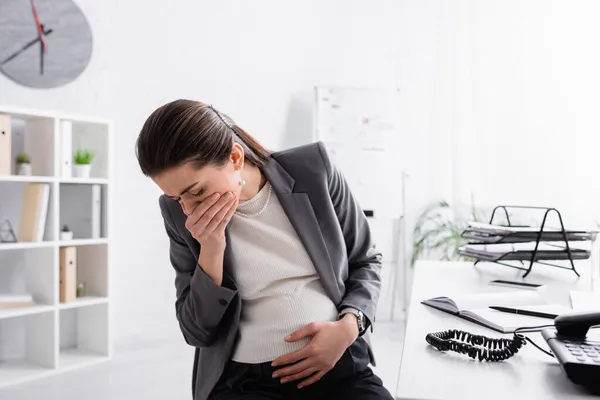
column 363, row 285
column 200, row 304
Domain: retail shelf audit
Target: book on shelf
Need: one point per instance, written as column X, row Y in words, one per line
column 66, row 154
column 68, row 274
column 81, row 210
column 34, row 212
column 475, row 308
column 5, row 145
column 15, row 300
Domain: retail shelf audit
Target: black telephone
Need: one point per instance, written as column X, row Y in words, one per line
column 567, row 338
column 578, row 356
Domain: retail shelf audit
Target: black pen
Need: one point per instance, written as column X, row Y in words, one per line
column 524, row 312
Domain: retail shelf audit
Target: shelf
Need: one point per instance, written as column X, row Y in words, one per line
column 84, row 181
column 76, row 358
column 84, row 301
column 26, row 310
column 49, row 243
column 26, row 245
column 20, row 371
column 50, row 179
column 49, row 337
column 82, row 242
column 21, row 178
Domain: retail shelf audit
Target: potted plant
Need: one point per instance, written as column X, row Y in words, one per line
column 23, row 164
column 83, row 163
column 439, row 231
column 66, row 233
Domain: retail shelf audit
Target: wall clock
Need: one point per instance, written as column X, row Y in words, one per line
column 43, row 43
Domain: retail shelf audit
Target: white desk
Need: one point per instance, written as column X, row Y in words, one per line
column 426, row 373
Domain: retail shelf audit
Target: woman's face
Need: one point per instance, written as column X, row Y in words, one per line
column 190, row 186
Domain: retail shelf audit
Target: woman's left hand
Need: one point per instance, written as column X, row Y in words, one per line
column 328, row 343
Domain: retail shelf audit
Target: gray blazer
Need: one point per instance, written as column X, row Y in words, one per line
column 330, row 224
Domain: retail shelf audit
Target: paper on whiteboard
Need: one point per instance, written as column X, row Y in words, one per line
column 360, row 131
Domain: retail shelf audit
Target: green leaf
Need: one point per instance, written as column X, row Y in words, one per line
column 439, row 228
column 83, row 157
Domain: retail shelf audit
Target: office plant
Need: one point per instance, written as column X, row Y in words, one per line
column 23, row 164
column 438, row 230
column 82, row 163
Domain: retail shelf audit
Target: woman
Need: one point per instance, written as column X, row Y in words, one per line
column 277, row 279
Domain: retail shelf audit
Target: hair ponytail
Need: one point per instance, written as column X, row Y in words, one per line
column 190, row 131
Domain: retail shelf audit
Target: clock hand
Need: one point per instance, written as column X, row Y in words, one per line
column 38, row 25
column 22, row 49
column 41, row 56
column 42, row 49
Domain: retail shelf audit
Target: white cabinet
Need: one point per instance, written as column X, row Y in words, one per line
column 48, row 336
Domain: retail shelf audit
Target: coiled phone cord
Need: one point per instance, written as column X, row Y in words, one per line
column 481, row 347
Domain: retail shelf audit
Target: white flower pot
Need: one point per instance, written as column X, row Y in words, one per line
column 66, row 235
column 82, row 170
column 24, row 169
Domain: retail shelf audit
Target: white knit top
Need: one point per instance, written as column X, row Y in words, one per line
column 277, row 282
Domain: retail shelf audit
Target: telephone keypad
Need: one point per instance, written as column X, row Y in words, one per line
column 584, row 351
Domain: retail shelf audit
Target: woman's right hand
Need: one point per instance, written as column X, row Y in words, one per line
column 208, row 220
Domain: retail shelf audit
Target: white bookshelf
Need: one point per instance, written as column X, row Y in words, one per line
column 52, row 337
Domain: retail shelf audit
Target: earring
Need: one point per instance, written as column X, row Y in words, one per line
column 239, row 170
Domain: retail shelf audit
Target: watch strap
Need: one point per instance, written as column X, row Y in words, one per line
column 360, row 317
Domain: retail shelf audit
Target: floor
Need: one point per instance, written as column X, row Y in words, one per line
column 161, row 369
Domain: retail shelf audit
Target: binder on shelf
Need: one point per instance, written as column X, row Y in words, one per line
column 81, row 210
column 34, row 212
column 66, row 145
column 5, row 145
column 68, row 274
column 502, row 244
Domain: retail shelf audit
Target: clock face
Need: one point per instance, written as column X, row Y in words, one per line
column 43, row 43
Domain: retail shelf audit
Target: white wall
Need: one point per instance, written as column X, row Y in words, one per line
column 258, row 61
column 522, row 84
column 472, row 73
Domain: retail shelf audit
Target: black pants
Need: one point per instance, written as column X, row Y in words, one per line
column 350, row 379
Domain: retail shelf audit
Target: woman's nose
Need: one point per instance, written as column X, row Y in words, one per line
column 183, row 207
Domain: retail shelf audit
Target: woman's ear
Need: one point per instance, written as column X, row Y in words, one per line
column 237, row 156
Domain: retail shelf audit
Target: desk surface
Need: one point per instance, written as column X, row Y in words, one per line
column 426, row 373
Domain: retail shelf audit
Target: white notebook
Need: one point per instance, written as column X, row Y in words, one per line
column 475, row 308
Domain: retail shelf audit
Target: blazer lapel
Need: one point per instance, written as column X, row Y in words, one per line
column 301, row 214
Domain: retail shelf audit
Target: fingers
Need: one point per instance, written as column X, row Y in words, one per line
column 200, row 209
column 209, row 214
column 303, row 374
column 308, row 330
column 292, row 369
column 222, row 215
column 198, row 222
column 228, row 215
column 291, row 357
column 316, row 377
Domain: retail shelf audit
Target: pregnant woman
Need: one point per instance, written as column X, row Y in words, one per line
column 277, row 278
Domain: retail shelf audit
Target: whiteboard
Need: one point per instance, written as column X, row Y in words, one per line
column 360, row 129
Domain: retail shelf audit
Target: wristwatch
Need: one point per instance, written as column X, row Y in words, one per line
column 360, row 317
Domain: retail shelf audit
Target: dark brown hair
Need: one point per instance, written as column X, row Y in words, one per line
column 190, row 131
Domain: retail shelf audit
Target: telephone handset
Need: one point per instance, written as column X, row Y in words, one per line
column 578, row 355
